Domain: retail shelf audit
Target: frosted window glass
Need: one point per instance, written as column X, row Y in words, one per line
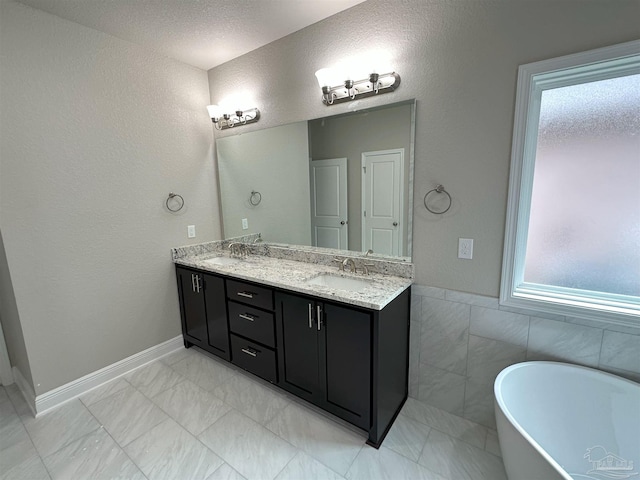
column 584, row 226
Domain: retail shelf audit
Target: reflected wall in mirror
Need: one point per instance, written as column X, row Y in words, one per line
column 339, row 182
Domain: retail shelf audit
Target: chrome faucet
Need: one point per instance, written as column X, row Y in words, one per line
column 238, row 249
column 368, row 252
column 351, row 263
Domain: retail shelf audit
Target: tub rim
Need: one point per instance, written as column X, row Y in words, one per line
column 499, row 401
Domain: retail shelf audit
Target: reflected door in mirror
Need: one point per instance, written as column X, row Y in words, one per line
column 329, row 203
column 382, row 194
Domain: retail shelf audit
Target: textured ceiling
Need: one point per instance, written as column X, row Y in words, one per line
column 202, row 33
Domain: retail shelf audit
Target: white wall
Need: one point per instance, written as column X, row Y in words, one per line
column 264, row 161
column 94, row 134
column 11, row 328
column 459, row 60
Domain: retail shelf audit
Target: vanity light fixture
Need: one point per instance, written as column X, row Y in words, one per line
column 223, row 121
column 375, row 84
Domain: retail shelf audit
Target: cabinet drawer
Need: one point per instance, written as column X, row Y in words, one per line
column 254, row 357
column 250, row 294
column 252, row 323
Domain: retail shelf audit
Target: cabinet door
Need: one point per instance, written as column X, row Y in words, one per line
column 297, row 345
column 194, row 320
column 216, row 309
column 346, row 369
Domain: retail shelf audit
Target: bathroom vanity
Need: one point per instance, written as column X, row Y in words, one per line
column 336, row 339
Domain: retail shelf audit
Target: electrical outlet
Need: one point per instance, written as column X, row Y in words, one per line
column 245, row 224
column 191, row 231
column 465, row 248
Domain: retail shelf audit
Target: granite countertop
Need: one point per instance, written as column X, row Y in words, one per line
column 292, row 275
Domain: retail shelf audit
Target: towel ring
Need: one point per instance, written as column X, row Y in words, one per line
column 174, row 195
column 438, row 189
column 255, row 198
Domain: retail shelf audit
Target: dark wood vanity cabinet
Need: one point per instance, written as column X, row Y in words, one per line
column 203, row 311
column 252, row 328
column 325, row 355
column 350, row 361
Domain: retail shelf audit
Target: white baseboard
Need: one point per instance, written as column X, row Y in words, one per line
column 25, row 389
column 58, row 396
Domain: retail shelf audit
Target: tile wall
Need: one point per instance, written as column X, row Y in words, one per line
column 460, row 342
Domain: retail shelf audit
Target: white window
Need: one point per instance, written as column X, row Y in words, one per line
column 572, row 242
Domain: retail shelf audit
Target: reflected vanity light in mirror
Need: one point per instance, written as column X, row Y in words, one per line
column 341, row 87
column 223, row 120
column 299, row 167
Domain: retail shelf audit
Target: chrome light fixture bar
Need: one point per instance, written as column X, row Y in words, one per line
column 375, row 84
column 222, row 121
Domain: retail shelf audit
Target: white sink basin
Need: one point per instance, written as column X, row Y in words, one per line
column 223, row 261
column 341, row 283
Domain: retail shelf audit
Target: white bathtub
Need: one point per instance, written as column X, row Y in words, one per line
column 560, row 421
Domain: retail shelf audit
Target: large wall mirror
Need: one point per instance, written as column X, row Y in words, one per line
column 343, row 182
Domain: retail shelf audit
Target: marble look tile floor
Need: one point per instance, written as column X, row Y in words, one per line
column 191, row 416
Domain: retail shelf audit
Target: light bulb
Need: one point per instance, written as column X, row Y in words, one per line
column 326, row 77
column 214, row 111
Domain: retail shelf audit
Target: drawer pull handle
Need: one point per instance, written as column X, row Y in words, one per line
column 246, row 316
column 245, row 294
column 310, row 320
column 319, row 310
column 250, row 351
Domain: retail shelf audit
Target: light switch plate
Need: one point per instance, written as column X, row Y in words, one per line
column 191, row 231
column 465, row 248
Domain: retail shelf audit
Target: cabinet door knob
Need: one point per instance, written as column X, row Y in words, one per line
column 343, row 222
column 395, row 224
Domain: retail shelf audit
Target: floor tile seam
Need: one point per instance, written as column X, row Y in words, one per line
column 224, row 382
column 484, row 427
column 287, row 464
column 469, row 474
column 121, row 377
column 37, row 452
column 116, row 442
column 146, row 431
column 457, row 439
column 346, row 473
column 18, row 464
column 33, row 443
column 126, row 454
column 402, row 454
column 223, row 464
column 42, row 458
column 180, row 423
column 416, row 461
column 179, row 426
column 298, row 449
column 182, row 380
column 198, row 439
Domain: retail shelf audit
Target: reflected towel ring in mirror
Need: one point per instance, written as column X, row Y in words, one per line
column 177, row 204
column 438, row 189
column 255, row 198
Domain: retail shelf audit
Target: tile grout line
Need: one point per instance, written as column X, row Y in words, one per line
column 28, row 434
column 362, row 447
column 114, row 440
